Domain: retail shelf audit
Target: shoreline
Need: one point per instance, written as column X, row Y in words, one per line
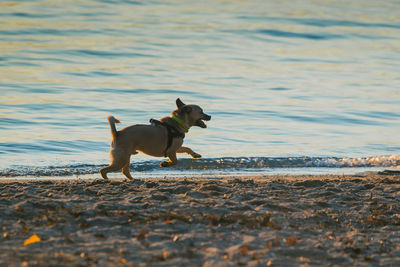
column 269, row 220
column 292, row 172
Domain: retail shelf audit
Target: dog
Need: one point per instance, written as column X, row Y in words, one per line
column 162, row 138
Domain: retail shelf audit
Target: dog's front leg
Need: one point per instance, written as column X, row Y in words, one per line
column 171, row 162
column 189, row 151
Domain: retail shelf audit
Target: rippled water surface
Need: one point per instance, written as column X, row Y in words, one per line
column 281, row 79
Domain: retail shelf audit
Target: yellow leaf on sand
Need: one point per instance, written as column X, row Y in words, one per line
column 33, row 239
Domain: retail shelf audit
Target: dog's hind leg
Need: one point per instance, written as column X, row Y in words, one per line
column 110, row 168
column 117, row 163
column 126, row 171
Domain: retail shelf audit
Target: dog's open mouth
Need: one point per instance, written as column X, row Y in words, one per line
column 200, row 121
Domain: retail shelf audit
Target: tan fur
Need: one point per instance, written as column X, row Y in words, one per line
column 152, row 139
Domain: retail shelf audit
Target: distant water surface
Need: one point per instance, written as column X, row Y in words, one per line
column 281, row 79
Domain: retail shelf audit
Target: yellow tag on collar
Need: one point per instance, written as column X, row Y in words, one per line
column 181, row 123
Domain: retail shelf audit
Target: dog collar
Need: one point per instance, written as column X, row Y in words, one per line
column 181, row 123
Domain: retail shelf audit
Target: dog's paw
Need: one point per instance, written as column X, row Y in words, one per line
column 165, row 164
column 196, row 156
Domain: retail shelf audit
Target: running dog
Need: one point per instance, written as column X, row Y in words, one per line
column 162, row 138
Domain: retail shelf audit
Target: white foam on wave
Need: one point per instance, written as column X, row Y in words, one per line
column 377, row 161
column 215, row 164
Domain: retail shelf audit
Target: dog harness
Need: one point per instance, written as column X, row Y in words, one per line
column 172, row 132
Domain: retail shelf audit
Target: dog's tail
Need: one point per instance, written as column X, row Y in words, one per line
column 112, row 121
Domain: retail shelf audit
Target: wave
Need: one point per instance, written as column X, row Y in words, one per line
column 235, row 164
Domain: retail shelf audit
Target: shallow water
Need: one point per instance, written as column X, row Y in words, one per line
column 280, row 79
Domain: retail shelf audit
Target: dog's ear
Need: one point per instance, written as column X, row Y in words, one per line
column 179, row 103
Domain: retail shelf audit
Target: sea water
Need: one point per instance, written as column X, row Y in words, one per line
column 309, row 85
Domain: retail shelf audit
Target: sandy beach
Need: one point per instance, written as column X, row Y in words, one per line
column 252, row 221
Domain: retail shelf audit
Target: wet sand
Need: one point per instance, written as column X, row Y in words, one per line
column 256, row 221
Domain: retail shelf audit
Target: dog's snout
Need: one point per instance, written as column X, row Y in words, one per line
column 206, row 117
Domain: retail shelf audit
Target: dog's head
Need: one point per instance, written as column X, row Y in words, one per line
column 192, row 115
